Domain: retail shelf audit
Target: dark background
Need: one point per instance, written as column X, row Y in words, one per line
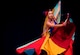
column 24, row 22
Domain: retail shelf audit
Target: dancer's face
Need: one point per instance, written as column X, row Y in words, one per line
column 50, row 14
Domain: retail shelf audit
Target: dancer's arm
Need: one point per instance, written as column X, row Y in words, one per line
column 55, row 25
column 58, row 25
column 67, row 20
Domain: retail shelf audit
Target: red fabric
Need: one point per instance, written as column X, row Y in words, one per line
column 45, row 13
column 63, row 35
column 70, row 50
column 36, row 45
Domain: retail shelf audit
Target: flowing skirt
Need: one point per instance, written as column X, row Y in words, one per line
column 60, row 42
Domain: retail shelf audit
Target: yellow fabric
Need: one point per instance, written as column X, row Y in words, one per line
column 46, row 39
column 51, row 48
column 48, row 45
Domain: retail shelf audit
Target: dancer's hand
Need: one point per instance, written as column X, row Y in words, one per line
column 65, row 23
column 67, row 20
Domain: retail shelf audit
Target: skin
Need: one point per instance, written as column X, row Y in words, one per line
column 51, row 23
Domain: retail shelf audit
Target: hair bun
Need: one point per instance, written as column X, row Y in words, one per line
column 45, row 13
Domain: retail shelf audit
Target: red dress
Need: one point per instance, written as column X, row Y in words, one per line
column 61, row 36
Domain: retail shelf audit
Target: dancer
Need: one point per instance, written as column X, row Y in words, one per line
column 56, row 37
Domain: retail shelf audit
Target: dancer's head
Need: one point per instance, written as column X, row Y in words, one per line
column 50, row 14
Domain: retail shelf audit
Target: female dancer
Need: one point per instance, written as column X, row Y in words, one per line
column 56, row 38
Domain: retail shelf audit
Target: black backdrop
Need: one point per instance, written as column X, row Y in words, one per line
column 24, row 21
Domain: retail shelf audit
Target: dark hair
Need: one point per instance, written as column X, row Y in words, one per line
column 46, row 12
column 50, row 9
